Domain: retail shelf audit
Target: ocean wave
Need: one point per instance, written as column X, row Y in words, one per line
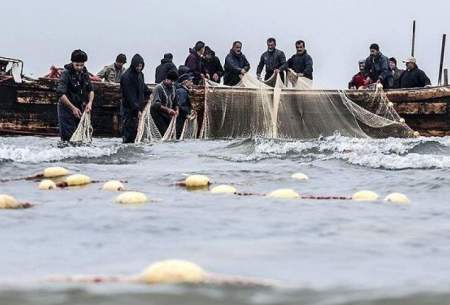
column 391, row 153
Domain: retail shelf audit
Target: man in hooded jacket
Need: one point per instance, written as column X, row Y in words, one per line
column 134, row 94
column 236, row 65
column 163, row 69
column 76, row 94
column 195, row 62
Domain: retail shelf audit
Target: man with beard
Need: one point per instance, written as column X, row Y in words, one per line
column 413, row 77
column 113, row 73
column 134, row 94
column 273, row 59
column 195, row 62
column 165, row 104
column 76, row 94
column 301, row 62
column 163, row 69
column 377, row 67
column 185, row 83
column 212, row 66
column 236, row 65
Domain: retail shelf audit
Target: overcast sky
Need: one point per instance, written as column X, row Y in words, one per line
column 337, row 32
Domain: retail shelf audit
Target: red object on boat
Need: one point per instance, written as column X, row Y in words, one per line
column 56, row 72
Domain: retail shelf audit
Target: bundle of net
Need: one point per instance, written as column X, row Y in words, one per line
column 147, row 131
column 83, row 133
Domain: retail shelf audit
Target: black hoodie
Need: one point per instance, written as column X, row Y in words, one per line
column 76, row 86
column 134, row 90
column 163, row 69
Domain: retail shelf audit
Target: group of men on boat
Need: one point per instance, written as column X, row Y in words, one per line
column 171, row 94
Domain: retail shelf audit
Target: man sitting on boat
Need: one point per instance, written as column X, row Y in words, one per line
column 413, row 77
column 359, row 80
column 273, row 59
column 185, row 83
column 114, row 72
column 163, row 69
column 301, row 62
column 134, row 94
column 377, row 67
column 76, row 94
column 165, row 104
column 236, row 65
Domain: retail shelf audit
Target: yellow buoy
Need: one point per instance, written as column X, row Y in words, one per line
column 365, row 196
column 113, row 185
column 78, row 180
column 53, row 172
column 300, row 176
column 223, row 189
column 8, row 202
column 197, row 181
column 284, row 194
column 173, row 272
column 132, row 198
column 397, row 198
column 416, row 134
column 47, row 185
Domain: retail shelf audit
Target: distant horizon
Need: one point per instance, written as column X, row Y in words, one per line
column 336, row 32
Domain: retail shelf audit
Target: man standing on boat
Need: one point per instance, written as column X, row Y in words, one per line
column 301, row 62
column 134, row 94
column 236, row 65
column 76, row 94
column 212, row 66
column 413, row 77
column 195, row 62
column 114, row 72
column 377, row 67
column 273, row 59
column 396, row 72
column 163, row 69
column 165, row 104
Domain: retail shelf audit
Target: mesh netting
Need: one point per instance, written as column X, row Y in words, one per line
column 190, row 128
column 147, row 130
column 276, row 110
column 83, row 133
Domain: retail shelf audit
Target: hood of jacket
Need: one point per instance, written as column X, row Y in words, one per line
column 135, row 61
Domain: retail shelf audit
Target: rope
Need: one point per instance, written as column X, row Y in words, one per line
column 83, row 133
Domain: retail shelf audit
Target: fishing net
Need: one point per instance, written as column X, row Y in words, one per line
column 275, row 110
column 171, row 132
column 147, row 130
column 190, row 128
column 83, row 133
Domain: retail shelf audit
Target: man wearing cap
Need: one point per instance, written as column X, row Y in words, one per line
column 114, row 72
column 359, row 80
column 76, row 94
column 413, row 77
column 377, row 67
column 165, row 103
column 163, row 69
column 185, row 83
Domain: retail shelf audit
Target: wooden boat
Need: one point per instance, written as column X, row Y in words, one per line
column 29, row 108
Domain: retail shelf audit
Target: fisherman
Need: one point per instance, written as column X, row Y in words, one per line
column 182, row 69
column 185, row 83
column 212, row 67
column 236, row 65
column 165, row 104
column 377, row 67
column 273, row 59
column 413, row 77
column 114, row 72
column 359, row 80
column 301, row 62
column 195, row 62
column 76, row 94
column 396, row 72
column 3, row 65
column 134, row 95
column 164, row 68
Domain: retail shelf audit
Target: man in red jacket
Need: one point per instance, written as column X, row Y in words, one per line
column 359, row 80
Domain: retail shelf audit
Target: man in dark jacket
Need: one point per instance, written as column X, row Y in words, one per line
column 76, row 94
column 396, row 72
column 163, row 69
column 195, row 61
column 301, row 62
column 236, row 65
column 377, row 67
column 134, row 94
column 273, row 59
column 413, row 77
column 211, row 66
column 165, row 104
column 185, row 82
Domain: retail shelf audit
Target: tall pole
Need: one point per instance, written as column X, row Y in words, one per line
column 441, row 65
column 445, row 77
column 413, row 38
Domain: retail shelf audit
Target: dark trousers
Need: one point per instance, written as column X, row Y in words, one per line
column 130, row 122
column 67, row 122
